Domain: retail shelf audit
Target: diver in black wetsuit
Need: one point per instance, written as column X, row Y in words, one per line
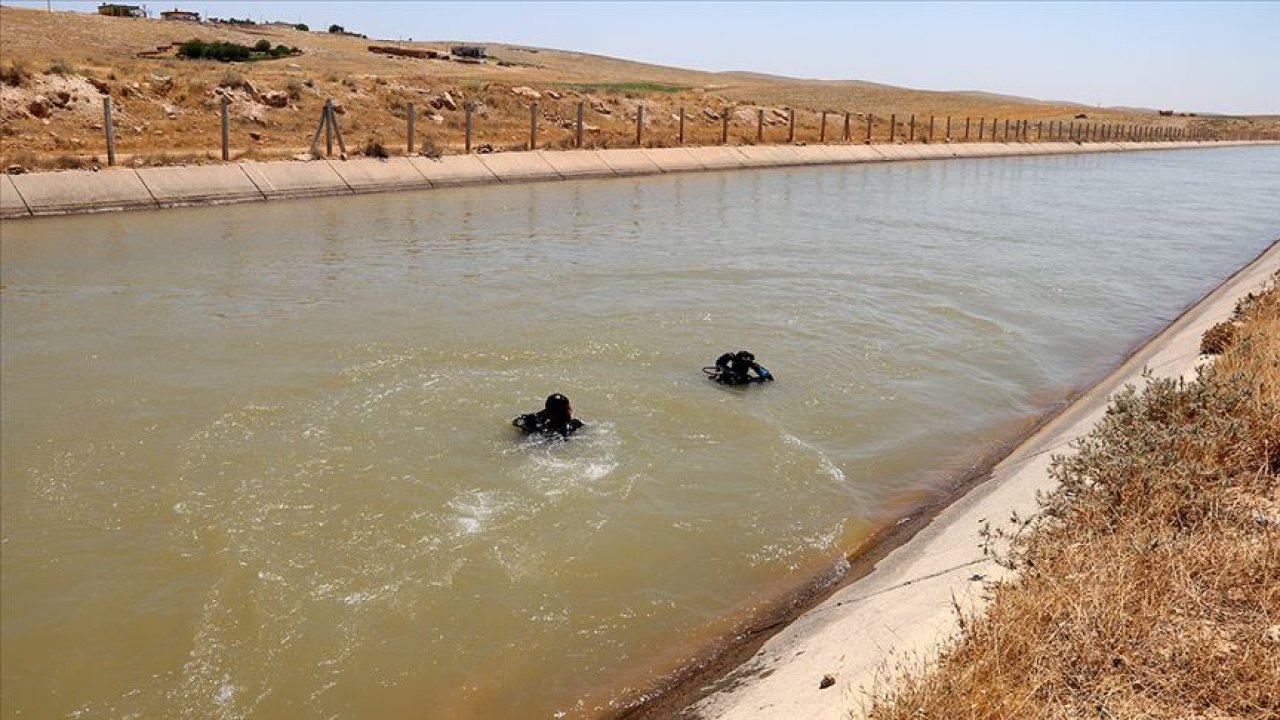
column 556, row 418
column 736, row 369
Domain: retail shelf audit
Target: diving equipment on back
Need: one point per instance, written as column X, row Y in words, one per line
column 737, row 369
column 555, row 419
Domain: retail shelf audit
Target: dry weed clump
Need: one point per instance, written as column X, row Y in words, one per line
column 14, row 74
column 1149, row 585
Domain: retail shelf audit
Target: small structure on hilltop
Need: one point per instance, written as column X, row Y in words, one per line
column 475, row 52
column 183, row 15
column 129, row 11
column 408, row 52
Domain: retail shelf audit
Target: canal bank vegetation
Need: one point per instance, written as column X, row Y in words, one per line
column 1149, row 584
column 58, row 67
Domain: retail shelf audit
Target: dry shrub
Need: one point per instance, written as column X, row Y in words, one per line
column 375, row 149
column 61, row 67
column 428, row 147
column 1217, row 338
column 1149, row 586
column 232, row 80
column 69, row 162
column 14, row 74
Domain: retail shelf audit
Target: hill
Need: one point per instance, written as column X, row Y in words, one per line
column 56, row 68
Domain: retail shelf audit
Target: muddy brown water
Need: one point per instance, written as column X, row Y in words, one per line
column 257, row 460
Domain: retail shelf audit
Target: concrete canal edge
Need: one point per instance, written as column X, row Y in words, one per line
column 87, row 191
column 897, row 602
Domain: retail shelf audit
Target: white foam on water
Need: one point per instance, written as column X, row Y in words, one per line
column 824, row 462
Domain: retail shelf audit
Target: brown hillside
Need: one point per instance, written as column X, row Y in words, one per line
column 56, row 68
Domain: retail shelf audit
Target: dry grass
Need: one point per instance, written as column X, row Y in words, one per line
column 164, row 103
column 1149, row 586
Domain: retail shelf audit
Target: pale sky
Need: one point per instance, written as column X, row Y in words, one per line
column 1221, row 57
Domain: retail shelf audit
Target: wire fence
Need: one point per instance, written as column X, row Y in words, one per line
column 731, row 126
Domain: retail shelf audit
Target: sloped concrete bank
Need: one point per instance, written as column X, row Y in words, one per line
column 85, row 191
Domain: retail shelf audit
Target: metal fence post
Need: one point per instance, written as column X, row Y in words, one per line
column 226, row 131
column 110, row 130
column 328, row 128
column 412, row 118
column 533, row 125
column 948, row 128
column 893, row 126
column 640, row 126
column 911, row 132
column 929, row 138
column 822, row 129
column 870, row 120
column 337, row 131
column 846, row 126
column 680, row 135
column 791, row 133
column 966, row 129
column 724, row 128
column 469, row 108
column 581, row 112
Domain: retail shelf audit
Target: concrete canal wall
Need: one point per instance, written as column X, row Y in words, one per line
column 85, row 191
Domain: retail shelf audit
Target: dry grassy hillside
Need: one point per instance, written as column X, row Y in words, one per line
column 56, row 68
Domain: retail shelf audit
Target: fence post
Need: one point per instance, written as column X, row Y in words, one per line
column 846, row 126
column 581, row 112
column 314, row 148
column 929, row 137
column 966, row 129
column 469, row 108
column 533, row 125
column 870, row 118
column 640, row 126
column 724, row 128
column 822, row 131
column 110, row 130
column 226, row 131
column 893, row 126
column 412, row 118
column 982, row 127
column 791, row 132
column 760, row 125
column 680, row 132
column 911, row 128
column 1006, row 129
column 328, row 128
column 948, row 128
column 337, row 131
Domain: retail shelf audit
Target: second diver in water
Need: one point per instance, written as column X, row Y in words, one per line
column 556, row 418
column 737, row 368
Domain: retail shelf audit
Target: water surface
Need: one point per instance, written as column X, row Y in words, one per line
column 257, row 460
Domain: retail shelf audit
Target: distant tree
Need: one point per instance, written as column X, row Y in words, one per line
column 302, row 26
column 337, row 29
column 262, row 46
